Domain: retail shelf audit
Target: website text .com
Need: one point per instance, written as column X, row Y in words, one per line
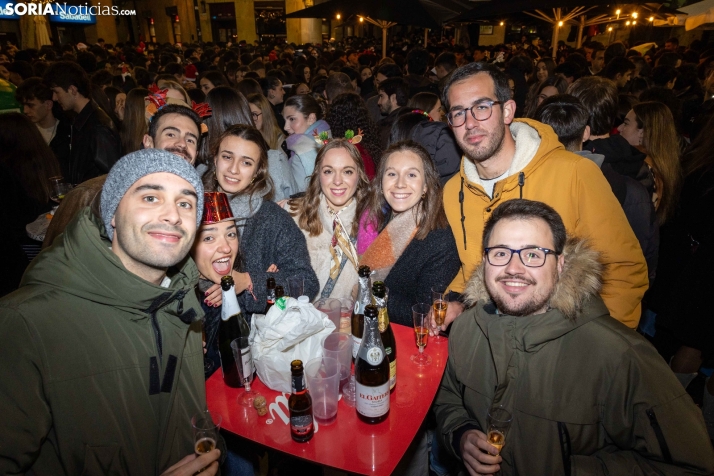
column 63, row 10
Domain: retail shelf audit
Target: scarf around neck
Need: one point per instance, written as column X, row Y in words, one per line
column 341, row 244
column 245, row 206
column 389, row 245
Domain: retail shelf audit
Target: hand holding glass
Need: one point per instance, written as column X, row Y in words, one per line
column 420, row 317
column 206, row 426
column 440, row 303
column 499, row 422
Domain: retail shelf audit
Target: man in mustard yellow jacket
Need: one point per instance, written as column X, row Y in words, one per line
column 505, row 159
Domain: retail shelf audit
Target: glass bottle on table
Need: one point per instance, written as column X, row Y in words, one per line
column 364, row 298
column 372, row 372
column 302, row 427
column 232, row 326
column 270, row 299
column 380, row 295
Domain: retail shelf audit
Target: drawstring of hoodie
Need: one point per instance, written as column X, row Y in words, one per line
column 521, row 183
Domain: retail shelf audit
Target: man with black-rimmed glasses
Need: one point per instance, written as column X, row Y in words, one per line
column 506, row 158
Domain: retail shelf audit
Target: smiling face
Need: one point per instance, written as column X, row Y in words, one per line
column 177, row 134
column 339, row 178
column 480, row 140
column 295, row 121
column 215, row 250
column 629, row 130
column 155, row 223
column 403, row 182
column 541, row 71
column 516, row 289
column 236, row 164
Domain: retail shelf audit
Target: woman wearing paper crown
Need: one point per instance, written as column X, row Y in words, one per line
column 307, row 133
column 414, row 249
column 326, row 215
column 215, row 252
column 271, row 244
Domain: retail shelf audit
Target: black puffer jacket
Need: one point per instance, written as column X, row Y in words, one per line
column 438, row 140
column 624, row 158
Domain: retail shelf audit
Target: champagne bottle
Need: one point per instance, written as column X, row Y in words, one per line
column 363, row 298
column 270, row 300
column 380, row 294
column 231, row 327
column 300, row 405
column 372, row 372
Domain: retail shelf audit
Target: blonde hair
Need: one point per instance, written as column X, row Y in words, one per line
column 170, row 84
column 270, row 130
column 659, row 137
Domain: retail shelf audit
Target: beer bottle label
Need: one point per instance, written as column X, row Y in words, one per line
column 392, row 374
column 375, row 356
column 373, row 401
column 301, row 425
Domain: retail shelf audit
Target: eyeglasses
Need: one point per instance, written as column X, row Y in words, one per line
column 532, row 257
column 256, row 115
column 480, row 111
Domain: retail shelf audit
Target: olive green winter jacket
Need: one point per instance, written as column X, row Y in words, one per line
column 588, row 395
column 100, row 371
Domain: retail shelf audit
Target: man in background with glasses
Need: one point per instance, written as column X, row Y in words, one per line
column 505, row 159
column 584, row 394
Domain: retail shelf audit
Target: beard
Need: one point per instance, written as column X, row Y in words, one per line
column 508, row 304
column 487, row 149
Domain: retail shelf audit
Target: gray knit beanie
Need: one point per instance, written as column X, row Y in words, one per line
column 136, row 165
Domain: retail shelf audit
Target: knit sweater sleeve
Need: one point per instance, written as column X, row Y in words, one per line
column 272, row 237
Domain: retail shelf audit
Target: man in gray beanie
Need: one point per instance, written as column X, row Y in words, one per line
column 101, row 361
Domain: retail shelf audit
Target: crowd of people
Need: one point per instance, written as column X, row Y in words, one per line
column 432, row 166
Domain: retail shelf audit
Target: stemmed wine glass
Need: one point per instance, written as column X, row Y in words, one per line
column 244, row 361
column 420, row 316
column 499, row 421
column 440, row 303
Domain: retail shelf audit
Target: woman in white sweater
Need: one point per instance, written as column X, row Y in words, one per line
column 327, row 216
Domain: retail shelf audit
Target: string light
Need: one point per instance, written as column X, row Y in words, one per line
column 634, row 15
column 361, row 19
column 560, row 23
column 501, row 23
column 617, row 12
column 627, row 23
column 609, row 29
column 634, row 22
column 651, row 18
column 339, row 16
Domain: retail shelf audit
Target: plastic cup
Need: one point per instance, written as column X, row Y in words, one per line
column 296, row 286
column 323, row 381
column 331, row 307
column 338, row 345
column 347, row 306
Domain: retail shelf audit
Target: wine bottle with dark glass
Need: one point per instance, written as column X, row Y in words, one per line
column 372, row 372
column 270, row 300
column 364, row 298
column 380, row 294
column 232, row 326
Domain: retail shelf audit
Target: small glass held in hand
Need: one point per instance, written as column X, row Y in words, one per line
column 440, row 304
column 244, row 362
column 420, row 316
column 206, row 427
column 499, row 422
column 58, row 188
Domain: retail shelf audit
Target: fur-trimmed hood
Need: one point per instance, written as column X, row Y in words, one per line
column 581, row 279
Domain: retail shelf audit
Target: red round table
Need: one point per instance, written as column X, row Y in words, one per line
column 348, row 443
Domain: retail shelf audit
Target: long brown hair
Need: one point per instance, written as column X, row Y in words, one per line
column 430, row 211
column 307, row 208
column 134, row 125
column 262, row 177
column 270, row 130
column 699, row 156
column 26, row 155
column 660, row 139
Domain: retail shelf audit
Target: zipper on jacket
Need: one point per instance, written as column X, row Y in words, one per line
column 660, row 436
column 565, row 448
column 157, row 335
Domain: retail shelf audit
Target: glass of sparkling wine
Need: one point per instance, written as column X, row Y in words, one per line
column 499, row 421
column 440, row 303
column 206, row 426
column 420, row 316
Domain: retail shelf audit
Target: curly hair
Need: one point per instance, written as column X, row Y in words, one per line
column 308, row 206
column 349, row 112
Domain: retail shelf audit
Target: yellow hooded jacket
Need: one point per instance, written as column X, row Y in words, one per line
column 575, row 187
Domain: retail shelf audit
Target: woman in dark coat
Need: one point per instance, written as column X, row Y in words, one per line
column 271, row 243
column 414, row 249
